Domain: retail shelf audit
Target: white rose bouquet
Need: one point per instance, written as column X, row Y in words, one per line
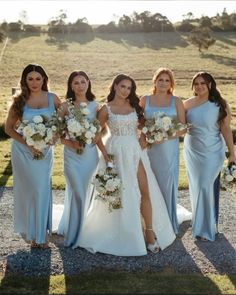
column 79, row 127
column 161, row 127
column 108, row 186
column 228, row 178
column 37, row 133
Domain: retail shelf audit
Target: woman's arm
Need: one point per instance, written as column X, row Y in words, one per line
column 10, row 124
column 103, row 117
column 180, row 115
column 228, row 135
column 57, row 101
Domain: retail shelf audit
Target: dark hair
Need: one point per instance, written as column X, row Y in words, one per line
column 214, row 93
column 133, row 98
column 70, row 93
column 21, row 97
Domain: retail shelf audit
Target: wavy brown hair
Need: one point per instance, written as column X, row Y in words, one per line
column 70, row 93
column 214, row 93
column 20, row 98
column 132, row 98
column 171, row 76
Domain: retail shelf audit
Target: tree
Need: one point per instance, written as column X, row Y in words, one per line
column 201, row 38
column 205, row 22
column 57, row 24
column 188, row 16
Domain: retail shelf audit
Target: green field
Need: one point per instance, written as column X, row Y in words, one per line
column 103, row 56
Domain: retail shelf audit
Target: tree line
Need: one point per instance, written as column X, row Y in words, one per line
column 134, row 23
column 199, row 29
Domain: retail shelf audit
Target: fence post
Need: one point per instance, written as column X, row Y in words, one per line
column 14, row 89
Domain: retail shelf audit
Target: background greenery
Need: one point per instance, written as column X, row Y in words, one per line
column 103, row 56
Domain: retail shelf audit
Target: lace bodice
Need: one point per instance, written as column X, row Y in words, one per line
column 121, row 125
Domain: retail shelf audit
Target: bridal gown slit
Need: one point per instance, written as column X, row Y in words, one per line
column 120, row 232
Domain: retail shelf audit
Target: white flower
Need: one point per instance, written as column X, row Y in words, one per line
column 28, row 131
column 144, row 130
column 88, row 134
column 229, row 178
column 40, row 145
column 29, row 141
column 234, row 173
column 110, row 185
column 54, row 128
column 158, row 137
column 38, row 119
column 93, row 129
column 166, row 121
column 83, row 104
column 85, row 111
column 86, row 124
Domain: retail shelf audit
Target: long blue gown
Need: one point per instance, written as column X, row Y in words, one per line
column 32, row 184
column 164, row 160
column 204, row 153
column 78, row 171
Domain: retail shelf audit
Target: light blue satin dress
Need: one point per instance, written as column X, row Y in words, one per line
column 78, row 171
column 32, row 184
column 204, row 153
column 164, row 160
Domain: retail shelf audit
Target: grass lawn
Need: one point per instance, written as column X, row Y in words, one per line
column 120, row 283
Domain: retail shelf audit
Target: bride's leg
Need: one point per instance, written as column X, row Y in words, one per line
column 146, row 206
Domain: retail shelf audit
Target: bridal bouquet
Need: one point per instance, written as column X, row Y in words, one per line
column 38, row 133
column 58, row 125
column 228, row 178
column 108, row 186
column 79, row 127
column 161, row 127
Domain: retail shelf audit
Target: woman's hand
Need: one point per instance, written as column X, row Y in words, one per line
column 232, row 159
column 96, row 138
column 142, row 141
column 35, row 153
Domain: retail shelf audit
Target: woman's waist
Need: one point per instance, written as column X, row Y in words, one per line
column 203, row 142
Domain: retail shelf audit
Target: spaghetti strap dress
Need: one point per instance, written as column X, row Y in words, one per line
column 32, row 184
column 78, row 171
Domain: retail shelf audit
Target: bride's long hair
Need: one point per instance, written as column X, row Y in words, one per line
column 132, row 98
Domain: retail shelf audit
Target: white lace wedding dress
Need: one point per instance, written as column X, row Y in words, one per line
column 120, row 232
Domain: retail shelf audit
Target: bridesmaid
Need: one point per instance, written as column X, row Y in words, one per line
column 78, row 168
column 31, row 178
column 204, row 150
column 164, row 156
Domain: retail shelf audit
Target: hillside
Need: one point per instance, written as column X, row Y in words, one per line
column 103, row 56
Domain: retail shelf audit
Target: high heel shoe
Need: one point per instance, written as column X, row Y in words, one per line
column 154, row 248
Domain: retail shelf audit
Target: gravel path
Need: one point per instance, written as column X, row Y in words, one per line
column 185, row 255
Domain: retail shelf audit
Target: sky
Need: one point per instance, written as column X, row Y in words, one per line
column 102, row 12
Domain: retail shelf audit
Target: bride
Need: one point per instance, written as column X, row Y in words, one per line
column 143, row 222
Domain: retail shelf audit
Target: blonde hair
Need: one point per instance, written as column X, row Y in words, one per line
column 171, row 76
